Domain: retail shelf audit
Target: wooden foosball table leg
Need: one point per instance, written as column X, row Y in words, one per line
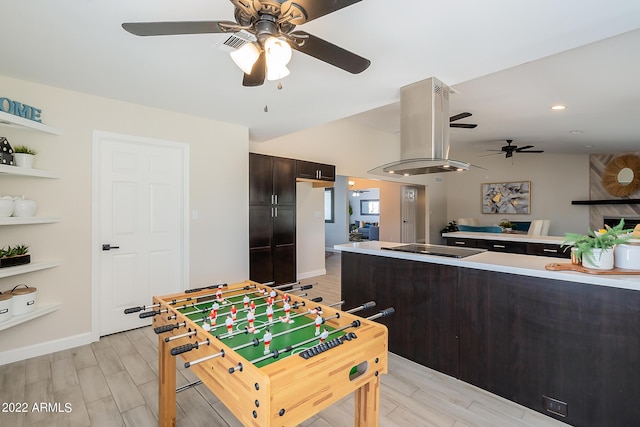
column 367, row 404
column 166, row 385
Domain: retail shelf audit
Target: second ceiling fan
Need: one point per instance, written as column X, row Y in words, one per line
column 269, row 25
column 510, row 149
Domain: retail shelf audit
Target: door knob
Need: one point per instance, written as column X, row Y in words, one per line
column 108, row 247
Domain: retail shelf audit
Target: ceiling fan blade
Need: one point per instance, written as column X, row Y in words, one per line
column 301, row 11
column 328, row 52
column 175, row 28
column 492, row 154
column 526, row 147
column 459, row 116
column 258, row 72
column 463, row 125
column 531, row 151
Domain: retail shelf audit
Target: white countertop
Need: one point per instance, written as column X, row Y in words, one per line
column 525, row 265
column 511, row 237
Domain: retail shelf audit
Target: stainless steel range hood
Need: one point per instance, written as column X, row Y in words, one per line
column 424, row 131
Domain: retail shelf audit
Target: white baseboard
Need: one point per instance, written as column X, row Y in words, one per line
column 309, row 274
column 41, row 349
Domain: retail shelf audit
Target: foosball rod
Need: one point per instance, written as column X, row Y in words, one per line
column 256, row 342
column 246, row 330
column 276, row 353
column 175, row 301
column 202, row 310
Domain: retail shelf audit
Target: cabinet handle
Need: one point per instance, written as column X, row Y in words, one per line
column 271, row 212
column 272, row 199
column 555, row 251
column 460, row 243
column 499, row 246
column 276, row 212
column 276, row 200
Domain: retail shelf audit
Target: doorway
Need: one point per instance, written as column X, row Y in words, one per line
column 409, row 214
column 140, row 226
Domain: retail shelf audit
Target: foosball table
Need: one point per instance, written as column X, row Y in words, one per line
column 272, row 357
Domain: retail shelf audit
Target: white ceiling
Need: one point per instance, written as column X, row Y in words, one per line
column 509, row 60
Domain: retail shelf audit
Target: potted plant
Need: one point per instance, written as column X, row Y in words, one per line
column 507, row 225
column 595, row 249
column 451, row 227
column 14, row 255
column 23, row 156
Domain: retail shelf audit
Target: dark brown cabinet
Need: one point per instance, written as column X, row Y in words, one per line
column 520, row 337
column 272, row 219
column 315, row 171
column 525, row 248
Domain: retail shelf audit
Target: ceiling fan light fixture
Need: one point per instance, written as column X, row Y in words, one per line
column 246, row 56
column 277, row 72
column 278, row 51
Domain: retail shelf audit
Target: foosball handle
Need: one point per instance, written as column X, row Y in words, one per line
column 133, row 309
column 387, row 311
column 149, row 314
column 368, row 305
column 166, row 328
column 316, row 299
column 183, row 349
column 305, row 287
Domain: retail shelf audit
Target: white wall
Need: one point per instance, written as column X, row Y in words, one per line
column 219, row 192
column 337, row 232
column 309, row 230
column 556, row 180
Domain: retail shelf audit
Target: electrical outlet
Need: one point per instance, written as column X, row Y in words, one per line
column 555, row 406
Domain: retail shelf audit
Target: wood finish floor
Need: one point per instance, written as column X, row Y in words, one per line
column 113, row 382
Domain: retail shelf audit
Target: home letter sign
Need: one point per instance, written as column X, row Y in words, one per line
column 21, row 110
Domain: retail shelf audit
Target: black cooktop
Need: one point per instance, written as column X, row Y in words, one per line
column 436, row 250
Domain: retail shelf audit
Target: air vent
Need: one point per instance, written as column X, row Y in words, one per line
column 236, row 41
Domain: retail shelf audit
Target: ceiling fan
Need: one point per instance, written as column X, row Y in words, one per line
column 510, row 149
column 461, row 125
column 269, row 25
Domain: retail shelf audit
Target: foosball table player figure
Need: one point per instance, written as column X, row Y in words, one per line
column 265, row 381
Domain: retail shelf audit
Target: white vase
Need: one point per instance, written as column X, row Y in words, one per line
column 598, row 259
column 23, row 160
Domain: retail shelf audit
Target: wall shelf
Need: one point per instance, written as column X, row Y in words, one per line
column 28, row 268
column 40, row 310
column 10, row 120
column 12, row 220
column 606, row 202
column 38, row 173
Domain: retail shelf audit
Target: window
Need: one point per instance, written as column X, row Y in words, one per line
column 328, row 205
column 369, row 207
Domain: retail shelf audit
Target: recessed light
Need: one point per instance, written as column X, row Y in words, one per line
column 575, row 131
column 558, row 107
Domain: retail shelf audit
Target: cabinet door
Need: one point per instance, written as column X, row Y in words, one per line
column 260, row 244
column 546, row 249
column 455, row 241
column 284, row 245
column 284, row 181
column 306, row 170
column 502, row 246
column 260, row 179
column 327, row 172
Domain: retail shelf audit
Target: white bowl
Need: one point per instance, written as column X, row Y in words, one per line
column 6, row 207
column 627, row 256
column 25, row 208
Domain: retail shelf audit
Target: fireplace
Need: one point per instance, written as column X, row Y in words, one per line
column 629, row 222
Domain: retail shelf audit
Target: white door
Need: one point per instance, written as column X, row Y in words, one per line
column 408, row 212
column 140, row 228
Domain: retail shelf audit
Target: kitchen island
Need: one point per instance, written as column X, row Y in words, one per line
column 563, row 343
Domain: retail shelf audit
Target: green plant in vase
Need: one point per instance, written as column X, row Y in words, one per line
column 23, row 156
column 594, row 244
column 507, row 225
